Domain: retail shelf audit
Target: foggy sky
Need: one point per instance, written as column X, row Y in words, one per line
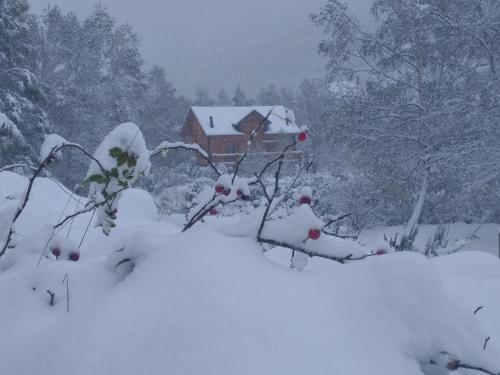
column 222, row 43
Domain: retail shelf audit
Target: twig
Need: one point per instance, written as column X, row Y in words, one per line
column 73, row 220
column 198, row 215
column 299, row 249
column 205, row 209
column 66, row 278
column 476, row 368
column 86, row 230
column 344, row 237
column 53, row 233
column 249, row 143
column 486, row 340
column 52, row 296
column 478, row 309
column 334, row 220
column 184, row 146
column 47, row 161
column 90, row 208
column 14, row 166
column 455, row 364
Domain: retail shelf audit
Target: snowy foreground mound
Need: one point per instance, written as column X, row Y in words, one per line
column 201, row 302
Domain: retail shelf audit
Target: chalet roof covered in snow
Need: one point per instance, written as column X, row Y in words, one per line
column 281, row 120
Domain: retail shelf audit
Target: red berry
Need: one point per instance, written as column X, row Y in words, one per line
column 74, row 256
column 380, row 252
column 314, row 234
column 453, row 365
column 219, row 188
column 213, row 211
column 239, row 192
column 226, row 191
column 302, row 136
column 56, row 251
column 305, row 200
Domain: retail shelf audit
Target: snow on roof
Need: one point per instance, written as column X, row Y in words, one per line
column 225, row 117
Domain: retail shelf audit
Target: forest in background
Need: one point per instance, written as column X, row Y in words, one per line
column 409, row 109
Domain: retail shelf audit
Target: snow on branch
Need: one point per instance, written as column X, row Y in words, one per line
column 119, row 160
column 51, row 151
column 7, row 124
column 52, row 146
column 226, row 190
column 452, row 363
column 301, row 231
column 15, row 166
column 165, row 146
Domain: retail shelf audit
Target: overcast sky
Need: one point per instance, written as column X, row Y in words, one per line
column 222, row 43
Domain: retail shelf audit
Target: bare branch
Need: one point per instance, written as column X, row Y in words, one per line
column 249, row 143
column 486, row 342
column 476, row 368
column 89, row 209
column 189, row 147
column 310, row 253
column 37, row 171
column 336, row 219
column 201, row 212
column 205, row 209
column 14, row 166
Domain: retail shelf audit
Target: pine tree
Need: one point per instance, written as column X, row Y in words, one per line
column 240, row 98
column 269, row 96
column 162, row 112
column 22, row 121
column 222, row 98
column 202, row 97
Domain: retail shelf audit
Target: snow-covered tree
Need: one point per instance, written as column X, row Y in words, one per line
column 428, row 90
column 202, row 97
column 162, row 111
column 269, row 96
column 223, row 98
column 22, row 120
column 93, row 73
column 240, row 97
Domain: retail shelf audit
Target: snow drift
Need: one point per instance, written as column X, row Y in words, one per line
column 201, row 302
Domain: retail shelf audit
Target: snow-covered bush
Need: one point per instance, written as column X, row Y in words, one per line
column 304, row 233
column 228, row 189
column 119, row 161
column 123, row 158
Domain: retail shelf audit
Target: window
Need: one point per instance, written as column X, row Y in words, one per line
column 231, row 148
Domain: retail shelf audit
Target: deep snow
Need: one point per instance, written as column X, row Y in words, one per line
column 203, row 302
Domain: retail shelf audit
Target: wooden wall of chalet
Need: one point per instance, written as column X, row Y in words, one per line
column 227, row 148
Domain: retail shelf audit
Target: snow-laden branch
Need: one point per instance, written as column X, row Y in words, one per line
column 226, row 191
column 289, row 232
column 15, row 166
column 7, row 124
column 50, row 151
column 310, row 253
column 165, row 146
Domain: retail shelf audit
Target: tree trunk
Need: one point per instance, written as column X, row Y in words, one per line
column 417, row 211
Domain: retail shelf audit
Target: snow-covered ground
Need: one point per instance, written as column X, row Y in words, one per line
column 203, row 302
